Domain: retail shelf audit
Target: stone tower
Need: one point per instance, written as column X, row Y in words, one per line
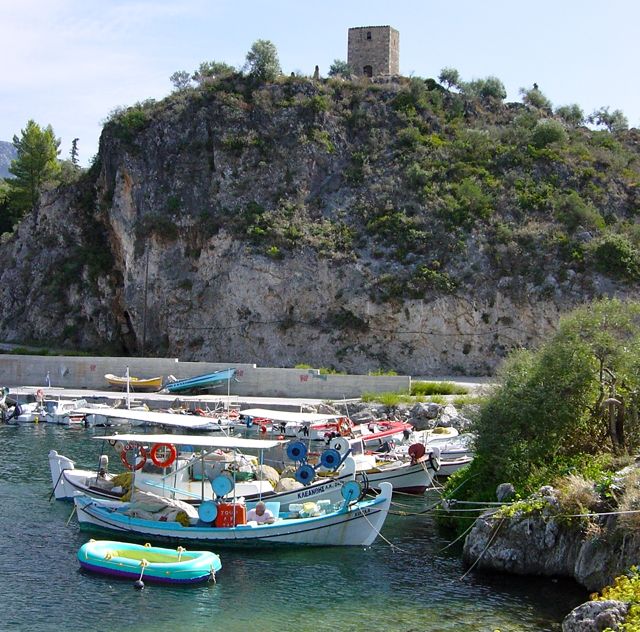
column 374, row 50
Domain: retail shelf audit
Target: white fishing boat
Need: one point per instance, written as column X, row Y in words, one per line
column 352, row 522
column 160, row 467
column 411, row 475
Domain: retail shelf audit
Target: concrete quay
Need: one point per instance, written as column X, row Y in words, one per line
column 163, row 401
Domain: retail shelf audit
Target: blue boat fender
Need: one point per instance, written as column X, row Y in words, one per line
column 208, row 511
column 330, row 459
column 351, row 491
column 221, row 485
column 305, row 474
column 297, row 451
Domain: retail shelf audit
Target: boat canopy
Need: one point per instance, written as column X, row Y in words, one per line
column 196, row 440
column 192, row 422
column 279, row 415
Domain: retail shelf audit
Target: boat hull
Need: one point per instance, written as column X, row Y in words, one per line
column 135, row 383
column 200, row 382
column 164, row 566
column 408, row 478
column 355, row 525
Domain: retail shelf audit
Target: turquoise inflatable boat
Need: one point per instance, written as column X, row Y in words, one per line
column 137, row 561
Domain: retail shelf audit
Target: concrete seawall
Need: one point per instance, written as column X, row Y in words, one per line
column 88, row 372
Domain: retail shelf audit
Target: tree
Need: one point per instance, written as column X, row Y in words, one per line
column 535, row 98
column 571, row 114
column 490, row 87
column 262, row 61
column 7, row 217
column 556, row 408
column 181, row 80
column 74, row 152
column 450, row 76
column 614, row 121
column 35, row 164
column 210, row 70
column 340, row 68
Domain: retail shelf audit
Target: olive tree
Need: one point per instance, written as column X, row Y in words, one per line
column 575, row 397
column 262, row 61
column 614, row 121
column 450, row 76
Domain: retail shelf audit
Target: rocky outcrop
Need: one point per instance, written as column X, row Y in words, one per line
column 285, row 224
column 593, row 553
column 596, row 616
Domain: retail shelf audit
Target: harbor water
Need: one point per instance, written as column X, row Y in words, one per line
column 406, row 581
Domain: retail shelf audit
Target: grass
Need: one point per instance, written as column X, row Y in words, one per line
column 438, row 388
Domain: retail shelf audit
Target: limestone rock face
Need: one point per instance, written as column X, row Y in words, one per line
column 539, row 545
column 256, row 224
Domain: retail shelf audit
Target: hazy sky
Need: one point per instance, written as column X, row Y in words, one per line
column 68, row 63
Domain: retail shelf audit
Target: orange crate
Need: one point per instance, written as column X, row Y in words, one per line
column 231, row 514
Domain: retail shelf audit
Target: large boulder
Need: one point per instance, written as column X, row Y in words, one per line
column 596, row 616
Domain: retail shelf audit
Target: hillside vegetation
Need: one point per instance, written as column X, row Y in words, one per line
column 358, row 225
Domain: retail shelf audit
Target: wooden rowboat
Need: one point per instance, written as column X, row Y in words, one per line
column 135, row 561
column 135, row 383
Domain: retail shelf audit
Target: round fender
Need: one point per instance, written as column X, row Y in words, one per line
column 166, row 450
column 208, row 511
column 297, row 451
column 221, row 485
column 351, row 491
column 137, row 464
column 330, row 459
column 340, row 444
column 416, row 451
column 305, row 474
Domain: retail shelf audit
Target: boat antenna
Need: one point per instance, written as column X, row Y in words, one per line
column 128, row 381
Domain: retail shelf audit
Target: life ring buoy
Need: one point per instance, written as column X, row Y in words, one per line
column 343, row 427
column 40, row 394
column 199, row 412
column 137, row 465
column 234, row 414
column 169, row 458
column 263, row 429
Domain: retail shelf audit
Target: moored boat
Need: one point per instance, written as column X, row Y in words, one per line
column 200, row 382
column 353, row 522
column 162, row 469
column 135, row 383
column 156, row 564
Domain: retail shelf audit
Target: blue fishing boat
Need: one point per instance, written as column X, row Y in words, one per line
column 200, row 382
column 155, row 564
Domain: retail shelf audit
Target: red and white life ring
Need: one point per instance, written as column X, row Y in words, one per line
column 140, row 459
column 168, row 450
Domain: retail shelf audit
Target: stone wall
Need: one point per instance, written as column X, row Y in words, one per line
column 88, row 372
column 374, row 46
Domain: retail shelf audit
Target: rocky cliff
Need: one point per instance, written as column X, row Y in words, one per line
column 7, row 154
column 344, row 224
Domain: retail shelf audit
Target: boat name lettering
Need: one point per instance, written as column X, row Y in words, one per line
column 318, row 490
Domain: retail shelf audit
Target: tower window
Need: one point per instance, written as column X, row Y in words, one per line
column 367, row 71
column 368, row 34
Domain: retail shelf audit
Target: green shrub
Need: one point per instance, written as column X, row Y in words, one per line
column 625, row 588
column 546, row 132
column 616, row 255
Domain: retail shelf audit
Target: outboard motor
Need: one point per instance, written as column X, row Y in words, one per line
column 103, row 468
